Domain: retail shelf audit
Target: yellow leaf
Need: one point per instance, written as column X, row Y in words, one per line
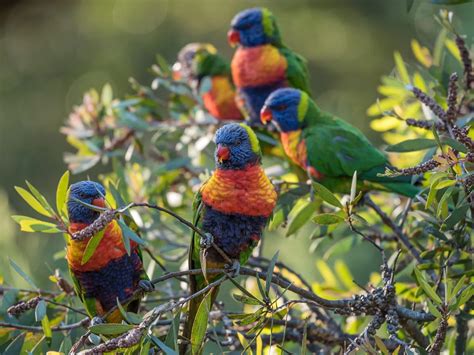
column 401, row 68
column 32, row 201
column 388, row 90
column 385, row 123
column 381, row 106
column 344, row 274
column 453, row 49
column 419, row 82
column 422, row 54
column 326, row 273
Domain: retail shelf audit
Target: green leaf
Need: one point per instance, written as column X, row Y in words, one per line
column 443, row 203
column 328, row 218
column 302, row 214
column 380, row 345
column 22, row 273
column 145, row 347
column 172, row 336
column 28, row 224
column 271, row 266
column 245, row 344
column 430, row 292
column 401, row 68
column 16, row 345
column 48, row 333
column 326, row 195
column 245, row 299
column 32, row 201
column 40, row 310
column 456, row 216
column 458, row 286
column 412, row 145
column 198, row 331
column 130, row 233
column 445, row 183
column 166, row 349
column 92, row 245
column 432, row 308
column 61, row 193
column 110, row 328
column 125, row 238
column 41, row 199
column 353, row 187
column 455, row 145
column 245, row 292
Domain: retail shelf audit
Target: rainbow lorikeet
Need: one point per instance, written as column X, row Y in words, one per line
column 327, row 147
column 233, row 206
column 197, row 61
column 110, row 273
column 262, row 63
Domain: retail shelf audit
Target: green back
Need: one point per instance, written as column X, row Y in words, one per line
column 208, row 64
column 297, row 71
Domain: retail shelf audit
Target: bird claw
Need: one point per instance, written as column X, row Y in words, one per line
column 234, row 269
column 206, row 241
column 146, row 285
column 96, row 321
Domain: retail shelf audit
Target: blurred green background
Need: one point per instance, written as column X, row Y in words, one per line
column 52, row 51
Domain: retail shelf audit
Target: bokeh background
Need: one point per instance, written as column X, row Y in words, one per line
column 53, row 51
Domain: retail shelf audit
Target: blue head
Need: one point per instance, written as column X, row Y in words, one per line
column 286, row 109
column 87, row 191
column 254, row 27
column 236, row 147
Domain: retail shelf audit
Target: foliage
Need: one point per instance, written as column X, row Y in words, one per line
column 156, row 146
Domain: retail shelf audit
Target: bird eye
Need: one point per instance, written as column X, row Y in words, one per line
column 280, row 107
column 238, row 142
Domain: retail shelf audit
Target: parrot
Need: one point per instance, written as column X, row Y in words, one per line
column 197, row 61
column 233, row 206
column 110, row 273
column 328, row 148
column 262, row 63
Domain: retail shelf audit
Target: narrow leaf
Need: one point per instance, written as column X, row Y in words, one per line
column 326, row 195
column 48, row 333
column 198, row 331
column 41, row 199
column 32, row 201
column 328, row 218
column 271, row 266
column 166, row 349
column 22, row 274
column 28, row 224
column 301, row 216
column 245, row 299
column 412, row 145
column 61, row 193
column 353, row 186
column 130, row 233
column 110, row 328
column 430, row 292
column 92, row 245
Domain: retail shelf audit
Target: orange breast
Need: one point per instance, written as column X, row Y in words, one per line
column 220, row 100
column 110, row 247
column 295, row 147
column 257, row 66
column 248, row 192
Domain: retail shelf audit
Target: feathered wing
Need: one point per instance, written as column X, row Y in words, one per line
column 297, row 72
column 337, row 149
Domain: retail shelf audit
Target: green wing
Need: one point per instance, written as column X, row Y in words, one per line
column 297, row 71
column 335, row 148
column 211, row 64
column 89, row 303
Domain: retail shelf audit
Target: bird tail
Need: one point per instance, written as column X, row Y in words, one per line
column 192, row 312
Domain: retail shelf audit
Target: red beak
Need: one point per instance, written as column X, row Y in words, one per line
column 233, row 37
column 99, row 202
column 176, row 71
column 222, row 153
column 266, row 115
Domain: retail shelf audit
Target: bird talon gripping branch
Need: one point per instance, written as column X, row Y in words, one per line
column 233, row 269
column 146, row 285
column 206, row 241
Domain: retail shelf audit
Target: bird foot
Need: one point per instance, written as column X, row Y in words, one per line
column 234, row 269
column 146, row 285
column 206, row 241
column 96, row 321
